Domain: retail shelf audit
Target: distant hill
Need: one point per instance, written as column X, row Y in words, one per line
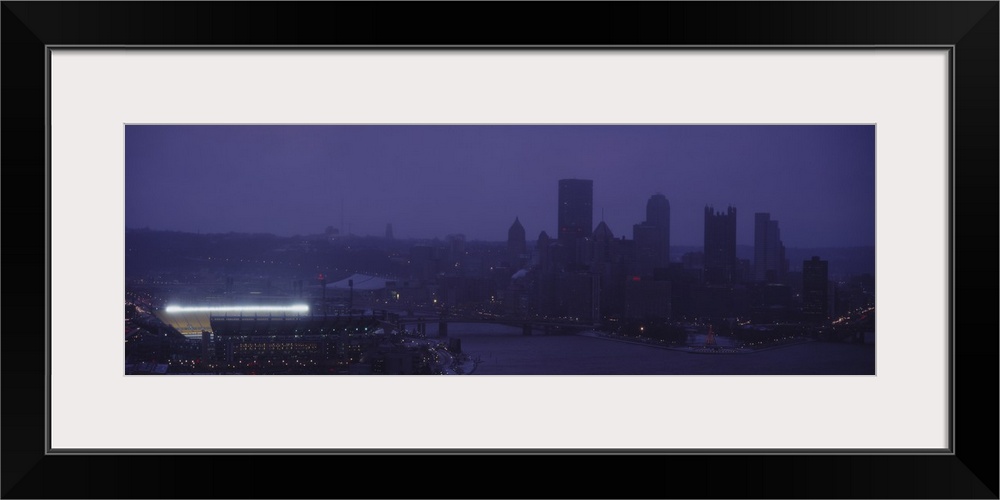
column 147, row 249
column 843, row 261
column 851, row 260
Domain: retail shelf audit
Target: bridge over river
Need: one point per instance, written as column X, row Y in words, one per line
column 529, row 326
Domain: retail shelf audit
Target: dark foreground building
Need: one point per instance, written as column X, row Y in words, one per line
column 720, row 246
column 279, row 344
column 815, row 280
column 576, row 216
column 769, row 261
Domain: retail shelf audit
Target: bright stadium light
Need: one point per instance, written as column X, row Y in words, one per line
column 292, row 308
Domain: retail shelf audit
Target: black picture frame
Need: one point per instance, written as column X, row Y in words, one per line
column 969, row 28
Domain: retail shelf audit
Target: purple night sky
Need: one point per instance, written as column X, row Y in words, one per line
column 434, row 180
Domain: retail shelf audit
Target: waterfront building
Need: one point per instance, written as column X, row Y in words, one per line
column 815, row 283
column 276, row 343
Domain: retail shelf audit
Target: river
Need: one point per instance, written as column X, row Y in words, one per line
column 505, row 351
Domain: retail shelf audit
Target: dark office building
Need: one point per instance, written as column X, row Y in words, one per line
column 544, row 290
column 608, row 262
column 517, row 248
column 649, row 251
column 647, row 299
column 770, row 302
column 769, row 265
column 274, row 344
column 720, row 246
column 602, row 241
column 658, row 211
column 720, row 301
column 652, row 237
column 577, row 295
column 683, row 280
column 465, row 291
column 543, row 253
column 576, row 215
column 814, row 289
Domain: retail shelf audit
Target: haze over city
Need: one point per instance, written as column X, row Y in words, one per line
column 475, row 249
column 432, row 181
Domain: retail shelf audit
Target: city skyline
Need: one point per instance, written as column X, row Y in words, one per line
column 431, row 181
column 396, row 304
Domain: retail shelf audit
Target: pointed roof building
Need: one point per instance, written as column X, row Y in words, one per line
column 543, row 237
column 602, row 232
column 516, row 230
column 516, row 246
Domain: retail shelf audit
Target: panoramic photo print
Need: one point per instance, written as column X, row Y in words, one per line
column 499, row 250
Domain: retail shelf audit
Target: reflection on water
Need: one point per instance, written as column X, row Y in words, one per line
column 505, row 351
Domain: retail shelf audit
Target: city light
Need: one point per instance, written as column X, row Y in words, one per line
column 292, row 308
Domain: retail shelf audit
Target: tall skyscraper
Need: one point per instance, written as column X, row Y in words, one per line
column 652, row 236
column 543, row 252
column 602, row 240
column 576, row 209
column 576, row 215
column 768, row 250
column 544, row 297
column 815, row 280
column 516, row 245
column 720, row 246
column 658, row 211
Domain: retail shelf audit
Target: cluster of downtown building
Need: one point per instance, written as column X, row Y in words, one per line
column 358, row 288
column 587, row 273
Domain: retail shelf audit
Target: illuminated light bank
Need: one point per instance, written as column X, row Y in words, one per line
column 293, row 308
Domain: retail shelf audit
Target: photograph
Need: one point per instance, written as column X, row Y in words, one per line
column 642, row 235
column 500, row 249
